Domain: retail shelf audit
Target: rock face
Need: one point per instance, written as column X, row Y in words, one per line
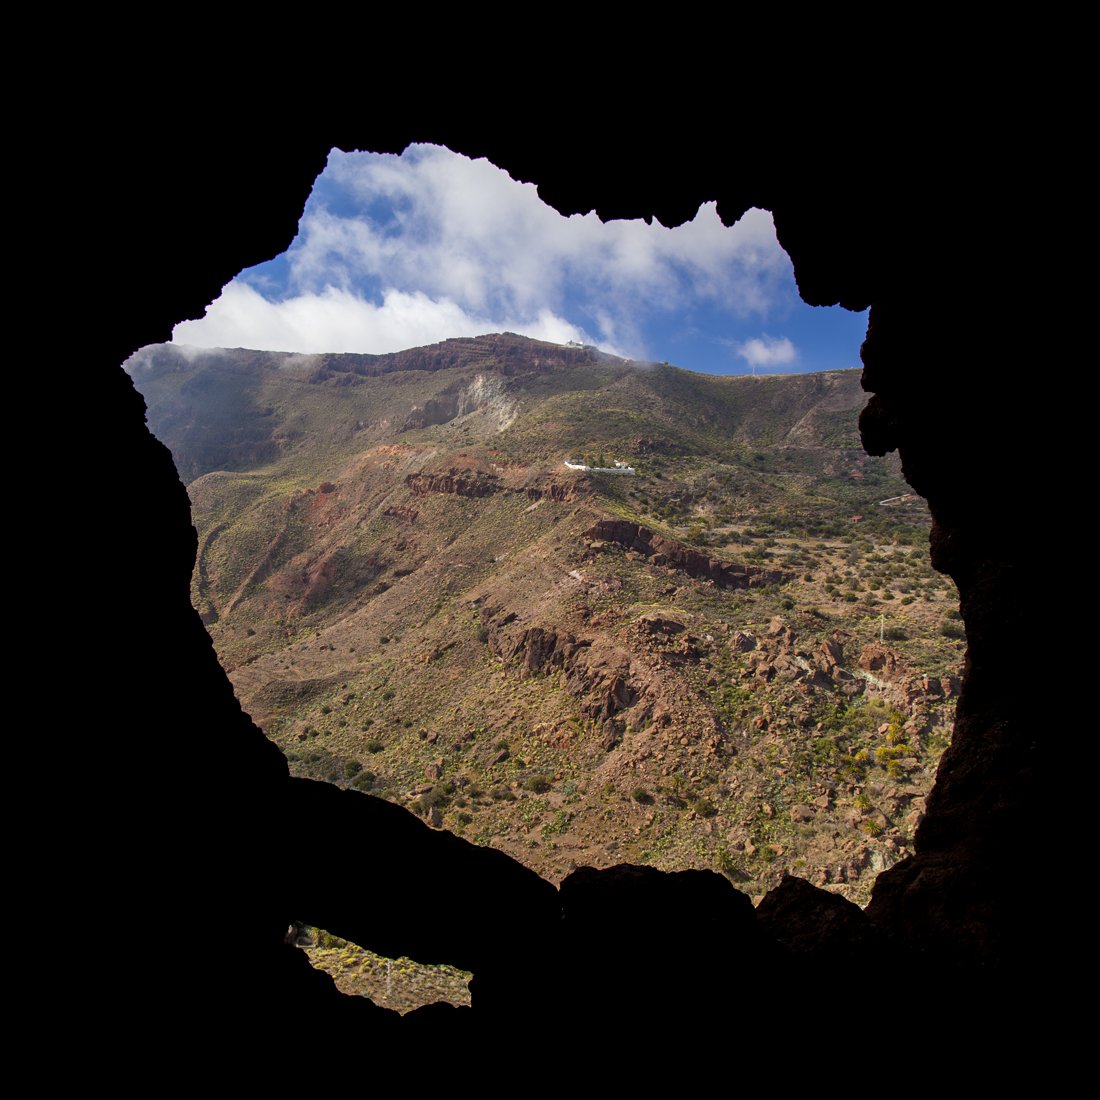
column 665, row 551
column 625, row 926
column 454, row 483
column 466, row 483
column 256, row 850
column 601, row 675
column 457, row 352
column 823, row 931
column 486, row 394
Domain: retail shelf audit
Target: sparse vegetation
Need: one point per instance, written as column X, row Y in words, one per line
column 400, row 984
column 365, row 620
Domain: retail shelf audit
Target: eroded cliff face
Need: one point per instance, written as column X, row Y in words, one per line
column 251, row 850
column 474, row 483
column 666, row 551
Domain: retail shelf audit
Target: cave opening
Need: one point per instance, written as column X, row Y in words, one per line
column 958, row 904
column 869, row 740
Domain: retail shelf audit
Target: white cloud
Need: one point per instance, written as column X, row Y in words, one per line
column 394, row 251
column 477, row 232
column 144, row 359
column 339, row 320
column 768, row 351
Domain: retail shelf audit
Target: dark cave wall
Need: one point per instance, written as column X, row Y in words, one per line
column 190, row 777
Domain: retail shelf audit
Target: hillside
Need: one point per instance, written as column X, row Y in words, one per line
column 737, row 659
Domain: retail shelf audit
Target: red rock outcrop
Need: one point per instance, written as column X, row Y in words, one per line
column 509, row 353
column 470, row 483
column 453, row 482
column 606, row 678
column 665, row 551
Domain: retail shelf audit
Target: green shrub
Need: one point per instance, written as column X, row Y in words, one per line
column 327, row 940
column 375, row 746
column 728, row 865
column 438, row 796
column 539, row 784
column 641, row 795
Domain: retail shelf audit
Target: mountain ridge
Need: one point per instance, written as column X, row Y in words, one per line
column 414, row 596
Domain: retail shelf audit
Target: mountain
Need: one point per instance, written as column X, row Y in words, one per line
column 736, row 657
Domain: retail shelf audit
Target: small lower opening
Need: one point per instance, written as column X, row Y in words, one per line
column 399, row 984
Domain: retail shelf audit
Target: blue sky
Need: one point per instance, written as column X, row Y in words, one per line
column 395, row 252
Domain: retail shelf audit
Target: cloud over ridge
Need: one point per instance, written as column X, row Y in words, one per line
column 396, row 251
column 768, row 351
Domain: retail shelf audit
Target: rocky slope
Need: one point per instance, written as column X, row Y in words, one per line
column 736, row 660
